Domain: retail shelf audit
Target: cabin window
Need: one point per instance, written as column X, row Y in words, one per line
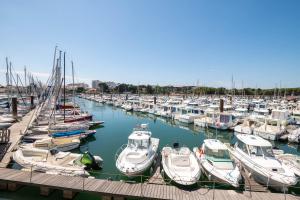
column 242, row 146
column 217, row 153
column 224, row 118
column 261, row 151
column 196, row 111
column 138, row 143
column 267, row 151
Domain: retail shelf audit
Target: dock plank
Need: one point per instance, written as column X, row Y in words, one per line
column 131, row 190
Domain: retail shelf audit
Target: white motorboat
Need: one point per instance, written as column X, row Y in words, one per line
column 5, row 125
column 5, row 119
column 216, row 162
column 56, row 162
column 209, row 117
column 246, row 127
column 256, row 155
column 138, row 155
column 223, row 122
column 180, row 165
column 294, row 136
column 291, row 161
column 270, row 131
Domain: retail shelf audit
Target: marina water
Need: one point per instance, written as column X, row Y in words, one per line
column 114, row 133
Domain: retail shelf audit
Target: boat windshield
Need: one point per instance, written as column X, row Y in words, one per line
column 224, row 118
column 261, row 151
column 138, row 143
column 217, row 153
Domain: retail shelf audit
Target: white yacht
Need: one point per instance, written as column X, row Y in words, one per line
column 216, row 163
column 180, row 165
column 138, row 155
column 256, row 155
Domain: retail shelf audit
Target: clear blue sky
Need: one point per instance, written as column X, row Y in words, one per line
column 157, row 41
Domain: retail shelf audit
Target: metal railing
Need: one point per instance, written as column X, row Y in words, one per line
column 143, row 180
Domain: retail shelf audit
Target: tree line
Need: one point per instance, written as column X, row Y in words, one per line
column 166, row 90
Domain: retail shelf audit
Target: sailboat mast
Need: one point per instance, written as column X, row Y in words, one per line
column 7, row 81
column 64, row 85
column 25, row 79
column 73, row 85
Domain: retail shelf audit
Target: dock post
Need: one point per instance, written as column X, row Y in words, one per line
column 45, row 191
column 106, row 198
column 119, row 198
column 31, row 102
column 221, row 105
column 3, row 185
column 14, row 102
column 13, row 187
column 68, row 194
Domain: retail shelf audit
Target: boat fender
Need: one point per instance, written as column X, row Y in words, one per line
column 249, row 175
column 201, row 151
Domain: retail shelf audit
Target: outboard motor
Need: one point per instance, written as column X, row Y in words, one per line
column 89, row 161
column 176, row 145
column 53, row 151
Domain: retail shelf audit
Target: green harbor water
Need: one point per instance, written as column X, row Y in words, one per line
column 114, row 133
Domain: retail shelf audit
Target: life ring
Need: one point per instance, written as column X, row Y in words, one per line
column 201, row 152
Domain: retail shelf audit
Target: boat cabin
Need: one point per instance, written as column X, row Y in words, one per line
column 254, row 146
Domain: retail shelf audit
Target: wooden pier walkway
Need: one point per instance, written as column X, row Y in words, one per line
column 251, row 184
column 11, row 179
column 17, row 131
column 156, row 177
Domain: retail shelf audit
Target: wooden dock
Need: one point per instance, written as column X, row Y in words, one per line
column 251, row 184
column 156, row 177
column 12, row 179
column 17, row 131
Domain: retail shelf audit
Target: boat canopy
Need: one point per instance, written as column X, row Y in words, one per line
column 139, row 135
column 253, row 140
column 214, row 144
column 280, row 114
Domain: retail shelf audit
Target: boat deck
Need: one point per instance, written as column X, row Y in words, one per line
column 122, row 190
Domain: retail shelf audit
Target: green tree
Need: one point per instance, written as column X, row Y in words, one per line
column 103, row 87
